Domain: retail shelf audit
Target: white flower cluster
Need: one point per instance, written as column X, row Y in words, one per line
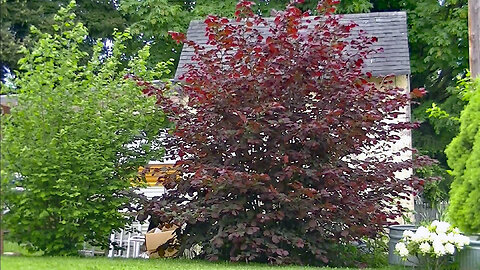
column 436, row 240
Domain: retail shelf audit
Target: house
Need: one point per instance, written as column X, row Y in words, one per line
column 7, row 102
column 390, row 28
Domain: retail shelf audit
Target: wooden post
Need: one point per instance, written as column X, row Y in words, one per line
column 474, row 36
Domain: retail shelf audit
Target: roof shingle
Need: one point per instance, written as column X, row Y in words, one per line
column 389, row 27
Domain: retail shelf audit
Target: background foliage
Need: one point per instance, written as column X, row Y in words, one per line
column 72, row 146
column 17, row 16
column 438, row 34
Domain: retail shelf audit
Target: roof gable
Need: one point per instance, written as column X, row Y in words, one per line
column 389, row 27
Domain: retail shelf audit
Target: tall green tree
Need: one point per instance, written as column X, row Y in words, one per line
column 439, row 53
column 74, row 142
column 464, row 158
column 438, row 39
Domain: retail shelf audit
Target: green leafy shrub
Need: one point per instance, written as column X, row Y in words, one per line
column 367, row 252
column 464, row 158
column 73, row 144
column 435, row 192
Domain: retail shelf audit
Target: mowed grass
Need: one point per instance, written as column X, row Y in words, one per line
column 27, row 261
column 100, row 263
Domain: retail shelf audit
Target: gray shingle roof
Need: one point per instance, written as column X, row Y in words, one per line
column 389, row 27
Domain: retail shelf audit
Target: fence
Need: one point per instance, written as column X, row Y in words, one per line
column 425, row 213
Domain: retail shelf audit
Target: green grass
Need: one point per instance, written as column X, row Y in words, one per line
column 15, row 248
column 101, row 263
column 28, row 261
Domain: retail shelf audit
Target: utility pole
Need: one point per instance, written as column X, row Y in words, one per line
column 474, row 36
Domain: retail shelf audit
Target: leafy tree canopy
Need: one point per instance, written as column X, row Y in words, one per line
column 100, row 17
column 439, row 54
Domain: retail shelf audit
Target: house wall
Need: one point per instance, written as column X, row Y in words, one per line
column 403, row 81
column 156, row 172
column 7, row 102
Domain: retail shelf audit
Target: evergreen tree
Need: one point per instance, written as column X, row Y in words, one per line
column 464, row 158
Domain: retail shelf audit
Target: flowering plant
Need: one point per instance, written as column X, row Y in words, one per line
column 431, row 244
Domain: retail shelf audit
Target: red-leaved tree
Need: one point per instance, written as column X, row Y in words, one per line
column 270, row 136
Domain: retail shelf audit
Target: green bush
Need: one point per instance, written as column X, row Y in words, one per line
column 435, row 192
column 464, row 158
column 367, row 252
column 74, row 142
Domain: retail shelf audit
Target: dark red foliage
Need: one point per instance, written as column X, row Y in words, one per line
column 270, row 138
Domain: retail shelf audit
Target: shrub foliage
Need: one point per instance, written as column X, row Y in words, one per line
column 74, row 142
column 464, row 158
column 271, row 135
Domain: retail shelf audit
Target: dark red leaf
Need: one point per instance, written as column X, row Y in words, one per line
column 267, row 130
column 275, row 239
column 418, row 92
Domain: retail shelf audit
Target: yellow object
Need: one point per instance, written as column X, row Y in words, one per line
column 156, row 174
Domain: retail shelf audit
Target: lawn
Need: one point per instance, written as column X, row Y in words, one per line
column 28, row 261
column 100, row 263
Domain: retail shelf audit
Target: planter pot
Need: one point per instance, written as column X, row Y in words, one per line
column 469, row 257
column 395, row 234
